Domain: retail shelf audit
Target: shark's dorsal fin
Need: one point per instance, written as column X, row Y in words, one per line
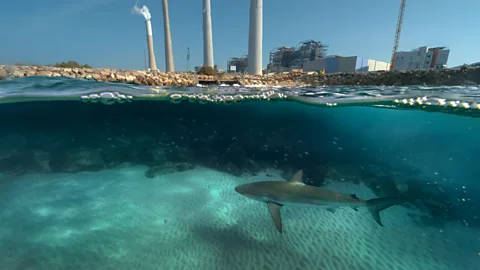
column 297, row 177
column 275, row 212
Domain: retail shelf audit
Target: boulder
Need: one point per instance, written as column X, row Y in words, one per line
column 77, row 160
column 168, row 168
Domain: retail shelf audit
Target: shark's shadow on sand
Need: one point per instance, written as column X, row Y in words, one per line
column 232, row 241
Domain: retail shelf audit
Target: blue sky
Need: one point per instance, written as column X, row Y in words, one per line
column 104, row 33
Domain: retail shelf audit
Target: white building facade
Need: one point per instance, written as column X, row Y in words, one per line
column 422, row 58
column 333, row 64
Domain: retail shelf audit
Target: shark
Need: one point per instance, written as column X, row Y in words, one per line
column 294, row 192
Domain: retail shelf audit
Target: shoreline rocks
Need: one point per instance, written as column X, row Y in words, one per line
column 434, row 77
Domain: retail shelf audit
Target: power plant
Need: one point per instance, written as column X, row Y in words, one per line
column 287, row 58
column 169, row 65
column 255, row 35
column 237, row 64
column 207, row 35
column 151, row 55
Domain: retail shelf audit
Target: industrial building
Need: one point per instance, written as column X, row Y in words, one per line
column 237, row 64
column 472, row 65
column 333, row 64
column 287, row 58
column 422, row 58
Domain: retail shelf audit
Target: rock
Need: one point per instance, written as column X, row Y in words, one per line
column 401, row 183
column 77, row 160
column 31, row 73
column 167, row 168
column 42, row 160
column 3, row 74
column 158, row 153
column 432, row 77
column 44, row 73
column 11, row 144
column 18, row 74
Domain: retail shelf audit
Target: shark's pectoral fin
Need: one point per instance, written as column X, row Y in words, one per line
column 331, row 209
column 275, row 212
column 355, row 208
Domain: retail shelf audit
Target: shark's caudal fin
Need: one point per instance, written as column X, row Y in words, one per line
column 378, row 204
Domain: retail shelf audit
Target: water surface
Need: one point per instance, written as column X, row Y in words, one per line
column 148, row 181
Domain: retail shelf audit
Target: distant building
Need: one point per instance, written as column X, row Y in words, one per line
column 288, row 58
column 476, row 64
column 237, row 64
column 422, row 58
column 335, row 63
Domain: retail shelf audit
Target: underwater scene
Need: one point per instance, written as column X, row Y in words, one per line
column 100, row 175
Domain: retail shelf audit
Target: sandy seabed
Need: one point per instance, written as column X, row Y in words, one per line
column 118, row 219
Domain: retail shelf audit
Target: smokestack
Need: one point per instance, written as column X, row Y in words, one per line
column 151, row 54
column 255, row 37
column 169, row 65
column 146, row 14
column 207, row 35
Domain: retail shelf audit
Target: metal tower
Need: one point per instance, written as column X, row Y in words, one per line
column 188, row 59
column 397, row 32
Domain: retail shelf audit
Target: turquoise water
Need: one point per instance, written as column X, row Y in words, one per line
column 148, row 181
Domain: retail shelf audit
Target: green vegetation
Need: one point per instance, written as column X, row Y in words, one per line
column 25, row 64
column 206, row 70
column 71, row 64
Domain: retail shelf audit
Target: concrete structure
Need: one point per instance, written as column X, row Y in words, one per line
column 238, row 64
column 169, row 66
column 333, row 64
column 207, row 35
column 422, row 58
column 151, row 53
column 473, row 65
column 255, row 35
column 288, row 58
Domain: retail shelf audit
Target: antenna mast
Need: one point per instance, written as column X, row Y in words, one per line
column 188, row 59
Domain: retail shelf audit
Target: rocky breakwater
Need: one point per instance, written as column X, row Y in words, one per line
column 104, row 74
column 433, row 77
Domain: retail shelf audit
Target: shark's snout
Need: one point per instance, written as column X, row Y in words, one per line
column 245, row 189
column 240, row 189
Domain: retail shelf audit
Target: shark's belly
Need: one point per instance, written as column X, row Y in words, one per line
column 304, row 205
column 299, row 203
column 314, row 203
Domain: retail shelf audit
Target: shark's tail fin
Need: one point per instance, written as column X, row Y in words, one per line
column 378, row 204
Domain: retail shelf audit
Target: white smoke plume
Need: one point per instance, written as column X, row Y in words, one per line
column 142, row 11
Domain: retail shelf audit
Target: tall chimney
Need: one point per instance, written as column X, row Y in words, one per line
column 151, row 54
column 255, row 37
column 169, row 65
column 207, row 35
